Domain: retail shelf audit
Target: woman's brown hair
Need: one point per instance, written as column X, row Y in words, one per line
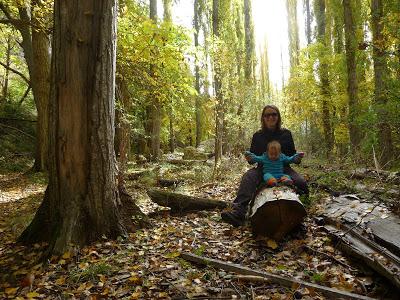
column 278, row 124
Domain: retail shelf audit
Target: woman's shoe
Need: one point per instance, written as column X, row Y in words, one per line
column 232, row 218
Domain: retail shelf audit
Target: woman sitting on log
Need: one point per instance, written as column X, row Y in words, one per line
column 270, row 130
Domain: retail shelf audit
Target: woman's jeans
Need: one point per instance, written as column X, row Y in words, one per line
column 252, row 179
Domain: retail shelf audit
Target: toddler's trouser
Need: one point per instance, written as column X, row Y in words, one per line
column 269, row 179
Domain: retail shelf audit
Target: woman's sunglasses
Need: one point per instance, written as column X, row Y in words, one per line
column 267, row 115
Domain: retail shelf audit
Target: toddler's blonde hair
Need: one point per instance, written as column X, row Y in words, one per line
column 274, row 144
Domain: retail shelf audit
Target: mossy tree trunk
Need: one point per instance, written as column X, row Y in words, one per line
column 381, row 72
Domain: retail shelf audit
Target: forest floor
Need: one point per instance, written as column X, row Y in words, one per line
column 147, row 264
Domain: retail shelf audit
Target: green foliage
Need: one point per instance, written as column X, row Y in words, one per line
column 91, row 273
column 303, row 97
column 152, row 59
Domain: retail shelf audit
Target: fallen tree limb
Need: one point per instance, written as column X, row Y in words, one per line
column 183, row 203
column 278, row 279
column 326, row 255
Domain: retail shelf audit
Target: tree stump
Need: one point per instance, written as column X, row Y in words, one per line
column 275, row 212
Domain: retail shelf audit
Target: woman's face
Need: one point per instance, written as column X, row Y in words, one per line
column 270, row 118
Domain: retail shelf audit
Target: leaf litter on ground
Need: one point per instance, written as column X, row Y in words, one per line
column 147, row 264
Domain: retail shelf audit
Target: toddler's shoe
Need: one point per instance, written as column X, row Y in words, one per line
column 272, row 182
column 286, row 181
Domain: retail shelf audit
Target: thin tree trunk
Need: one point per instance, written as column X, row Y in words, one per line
column 338, row 33
column 122, row 129
column 324, row 75
column 41, row 80
column 219, row 108
column 81, row 201
column 385, row 144
column 293, row 33
column 352, row 83
column 197, row 73
column 167, row 4
column 308, row 21
column 154, row 109
column 7, row 71
column 168, row 18
column 249, row 41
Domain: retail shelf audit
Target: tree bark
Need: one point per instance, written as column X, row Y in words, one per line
column 168, row 18
column 122, row 129
column 293, row 33
column 197, row 72
column 324, row 75
column 308, row 21
column 40, row 80
column 385, row 145
column 182, row 203
column 167, row 10
column 81, row 200
column 219, row 108
column 154, row 108
column 352, row 82
column 7, row 70
column 249, row 40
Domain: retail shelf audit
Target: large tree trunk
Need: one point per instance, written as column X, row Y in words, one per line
column 324, row 75
column 352, row 83
column 81, row 201
column 385, row 145
column 293, row 33
column 219, row 108
column 197, row 72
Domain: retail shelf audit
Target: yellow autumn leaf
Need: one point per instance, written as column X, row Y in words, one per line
column 67, row 255
column 135, row 279
column 135, row 295
column 60, row 281
column 272, row 244
column 11, row 291
column 32, row 295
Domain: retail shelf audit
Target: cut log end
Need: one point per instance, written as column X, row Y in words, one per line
column 275, row 212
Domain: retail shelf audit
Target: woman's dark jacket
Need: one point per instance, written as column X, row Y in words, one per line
column 262, row 137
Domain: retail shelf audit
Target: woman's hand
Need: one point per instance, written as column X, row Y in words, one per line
column 298, row 157
column 247, row 156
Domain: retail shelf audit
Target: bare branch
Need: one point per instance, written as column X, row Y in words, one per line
column 25, row 95
column 16, row 72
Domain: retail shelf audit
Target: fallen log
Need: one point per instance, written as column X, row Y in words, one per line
column 135, row 174
column 185, row 162
column 375, row 256
column 169, row 182
column 278, row 279
column 275, row 212
column 372, row 217
column 183, row 203
column 362, row 173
